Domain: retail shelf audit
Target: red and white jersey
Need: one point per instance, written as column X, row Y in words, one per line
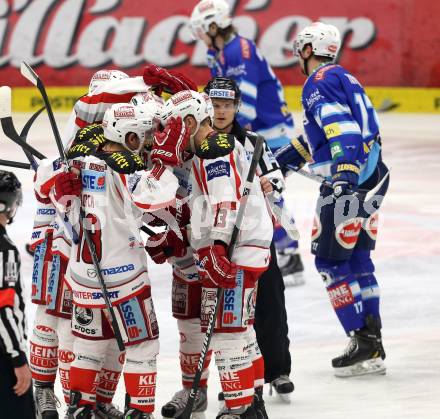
column 113, row 204
column 90, row 108
column 217, row 186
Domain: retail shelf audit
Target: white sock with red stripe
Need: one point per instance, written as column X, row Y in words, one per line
column 140, row 375
column 110, row 374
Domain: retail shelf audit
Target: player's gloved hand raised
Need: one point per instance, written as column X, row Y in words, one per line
column 218, row 268
column 170, row 144
column 345, row 177
column 164, row 80
column 68, row 185
column 167, row 244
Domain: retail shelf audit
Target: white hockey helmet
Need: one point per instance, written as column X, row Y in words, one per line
column 123, row 118
column 149, row 100
column 207, row 12
column 103, row 76
column 324, row 39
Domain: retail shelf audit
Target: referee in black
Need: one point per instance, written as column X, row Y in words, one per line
column 270, row 312
column 16, row 400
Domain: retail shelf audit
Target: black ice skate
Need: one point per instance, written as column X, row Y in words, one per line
column 283, row 388
column 292, row 269
column 240, row 413
column 79, row 412
column 108, row 411
column 46, row 402
column 260, row 409
column 131, row 413
column 364, row 353
column 175, row 407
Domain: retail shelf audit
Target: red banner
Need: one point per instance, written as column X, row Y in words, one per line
column 385, row 42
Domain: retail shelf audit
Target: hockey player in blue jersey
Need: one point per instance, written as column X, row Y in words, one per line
column 343, row 147
column 263, row 108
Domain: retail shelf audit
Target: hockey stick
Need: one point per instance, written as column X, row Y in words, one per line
column 30, row 74
column 362, row 196
column 186, row 414
column 8, row 125
column 15, row 164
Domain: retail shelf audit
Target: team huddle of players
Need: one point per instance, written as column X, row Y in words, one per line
column 136, row 160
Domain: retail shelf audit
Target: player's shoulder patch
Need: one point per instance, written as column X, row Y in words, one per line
column 216, row 145
column 93, row 133
column 81, row 150
column 321, row 74
column 124, row 161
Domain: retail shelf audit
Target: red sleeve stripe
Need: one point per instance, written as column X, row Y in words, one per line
column 226, row 204
column 196, row 175
column 237, row 177
column 203, row 176
column 107, row 98
column 153, row 207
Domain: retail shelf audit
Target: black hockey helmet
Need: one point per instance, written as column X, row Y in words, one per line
column 223, row 88
column 11, row 196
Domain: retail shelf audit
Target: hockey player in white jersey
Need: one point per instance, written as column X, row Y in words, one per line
column 116, row 191
column 217, row 181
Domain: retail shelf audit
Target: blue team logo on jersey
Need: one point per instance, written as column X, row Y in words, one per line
column 93, row 181
column 134, row 320
column 218, row 169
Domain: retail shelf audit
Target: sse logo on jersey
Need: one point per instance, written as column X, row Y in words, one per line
column 93, row 181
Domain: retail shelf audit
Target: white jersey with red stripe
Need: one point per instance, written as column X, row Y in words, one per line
column 217, row 187
column 90, row 108
column 113, row 204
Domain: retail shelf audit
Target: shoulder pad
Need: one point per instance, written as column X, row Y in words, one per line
column 123, row 161
column 216, row 145
column 81, row 150
column 93, row 133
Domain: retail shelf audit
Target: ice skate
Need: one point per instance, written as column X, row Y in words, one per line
column 176, row 405
column 292, row 269
column 239, row 413
column 260, row 408
column 364, row 353
column 108, row 411
column 137, row 414
column 283, row 388
column 46, row 402
column 79, row 412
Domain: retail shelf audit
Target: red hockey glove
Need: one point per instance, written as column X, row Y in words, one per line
column 67, row 186
column 167, row 244
column 168, row 81
column 170, row 144
column 220, row 270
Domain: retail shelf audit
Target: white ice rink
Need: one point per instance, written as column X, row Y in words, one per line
column 408, row 270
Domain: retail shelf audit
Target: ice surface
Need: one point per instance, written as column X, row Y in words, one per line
column 407, row 265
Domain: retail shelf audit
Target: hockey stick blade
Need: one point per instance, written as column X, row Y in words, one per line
column 28, row 72
column 15, row 164
column 31, row 75
column 8, row 124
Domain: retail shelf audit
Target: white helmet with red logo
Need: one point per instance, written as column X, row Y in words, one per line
column 207, row 12
column 188, row 102
column 123, row 118
column 103, row 76
column 324, row 39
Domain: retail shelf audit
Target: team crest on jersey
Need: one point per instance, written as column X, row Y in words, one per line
column 320, row 74
column 317, row 228
column 218, row 169
column 347, row 233
column 83, row 315
column 371, row 226
column 245, row 49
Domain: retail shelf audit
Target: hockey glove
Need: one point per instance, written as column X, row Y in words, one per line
column 170, row 144
column 345, row 177
column 294, row 155
column 168, row 81
column 68, row 185
column 219, row 269
column 167, row 244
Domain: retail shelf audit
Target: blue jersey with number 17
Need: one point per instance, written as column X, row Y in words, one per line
column 340, row 122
